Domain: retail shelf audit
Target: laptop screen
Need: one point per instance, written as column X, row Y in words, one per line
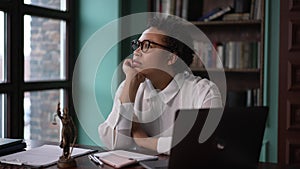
column 235, row 142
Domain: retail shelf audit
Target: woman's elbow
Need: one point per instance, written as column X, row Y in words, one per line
column 105, row 136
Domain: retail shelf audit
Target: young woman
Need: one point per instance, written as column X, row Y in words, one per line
column 158, row 82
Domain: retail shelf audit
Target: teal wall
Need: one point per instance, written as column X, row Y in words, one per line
column 92, row 16
column 271, row 75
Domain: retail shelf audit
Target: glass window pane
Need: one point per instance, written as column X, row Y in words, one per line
column 39, row 114
column 3, row 110
column 52, row 4
column 44, row 49
column 2, row 49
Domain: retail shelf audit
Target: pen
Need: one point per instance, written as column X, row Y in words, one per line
column 95, row 159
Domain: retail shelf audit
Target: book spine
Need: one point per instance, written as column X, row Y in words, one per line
column 230, row 54
column 252, row 9
column 178, row 10
column 220, row 58
column 185, row 4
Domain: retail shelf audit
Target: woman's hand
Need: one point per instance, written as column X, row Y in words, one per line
column 128, row 68
column 132, row 82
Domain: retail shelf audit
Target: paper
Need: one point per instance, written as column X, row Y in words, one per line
column 40, row 156
column 127, row 154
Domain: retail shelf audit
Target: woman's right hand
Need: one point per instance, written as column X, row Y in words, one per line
column 128, row 68
column 132, row 81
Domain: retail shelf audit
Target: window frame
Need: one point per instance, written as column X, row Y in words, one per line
column 15, row 86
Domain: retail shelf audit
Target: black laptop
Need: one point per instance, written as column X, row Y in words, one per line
column 213, row 138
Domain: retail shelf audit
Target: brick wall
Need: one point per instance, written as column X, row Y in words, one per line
column 44, row 65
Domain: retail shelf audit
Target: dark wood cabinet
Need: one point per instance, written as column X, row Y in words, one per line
column 289, row 83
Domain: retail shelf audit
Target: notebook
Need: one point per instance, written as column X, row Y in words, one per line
column 122, row 158
column 235, row 143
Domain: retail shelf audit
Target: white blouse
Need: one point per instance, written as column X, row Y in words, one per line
column 155, row 110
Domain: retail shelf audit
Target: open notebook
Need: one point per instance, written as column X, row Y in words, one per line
column 40, row 156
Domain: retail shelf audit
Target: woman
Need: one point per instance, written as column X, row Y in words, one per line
column 158, row 82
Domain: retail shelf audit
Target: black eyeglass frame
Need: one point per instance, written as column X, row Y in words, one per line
column 138, row 44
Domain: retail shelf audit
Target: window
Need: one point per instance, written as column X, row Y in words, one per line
column 35, row 66
column 44, row 49
column 3, row 71
column 2, row 53
column 54, row 4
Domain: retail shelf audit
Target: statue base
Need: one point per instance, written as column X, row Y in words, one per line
column 66, row 163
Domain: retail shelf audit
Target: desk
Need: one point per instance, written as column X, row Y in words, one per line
column 84, row 162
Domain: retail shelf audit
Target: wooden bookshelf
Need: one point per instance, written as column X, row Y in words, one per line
column 247, row 78
column 219, row 31
column 216, row 30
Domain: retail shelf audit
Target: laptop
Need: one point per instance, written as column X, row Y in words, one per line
column 232, row 141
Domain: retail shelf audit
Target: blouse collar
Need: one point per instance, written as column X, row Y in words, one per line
column 170, row 91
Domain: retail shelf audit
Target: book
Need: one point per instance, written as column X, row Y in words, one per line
column 219, row 14
column 236, row 99
column 122, row 158
column 252, row 8
column 242, row 6
column 220, row 51
column 9, row 145
column 236, row 16
column 257, row 10
column 210, row 13
column 8, row 142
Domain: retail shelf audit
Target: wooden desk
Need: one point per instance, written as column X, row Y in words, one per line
column 84, row 163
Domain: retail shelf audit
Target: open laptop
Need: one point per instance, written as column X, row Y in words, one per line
column 235, row 143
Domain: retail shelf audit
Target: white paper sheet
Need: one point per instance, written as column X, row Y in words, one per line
column 40, row 156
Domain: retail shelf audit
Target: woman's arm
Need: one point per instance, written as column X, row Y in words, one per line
column 115, row 132
column 142, row 139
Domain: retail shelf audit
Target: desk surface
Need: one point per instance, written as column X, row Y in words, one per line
column 84, row 162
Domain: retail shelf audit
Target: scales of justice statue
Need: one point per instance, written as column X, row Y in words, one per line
column 68, row 138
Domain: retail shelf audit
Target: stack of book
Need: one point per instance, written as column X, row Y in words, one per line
column 8, row 145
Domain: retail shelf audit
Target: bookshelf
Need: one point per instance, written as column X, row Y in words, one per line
column 245, row 33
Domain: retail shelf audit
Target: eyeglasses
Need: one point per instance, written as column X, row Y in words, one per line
column 145, row 45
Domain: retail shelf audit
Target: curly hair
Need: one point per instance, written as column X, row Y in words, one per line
column 176, row 37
